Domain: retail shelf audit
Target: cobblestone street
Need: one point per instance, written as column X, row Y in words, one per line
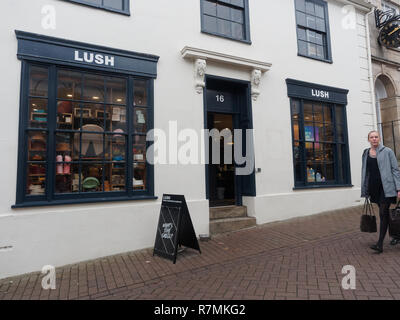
column 300, row 258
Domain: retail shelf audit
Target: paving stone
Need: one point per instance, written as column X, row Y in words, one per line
column 297, row 259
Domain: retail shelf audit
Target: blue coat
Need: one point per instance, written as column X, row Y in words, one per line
column 388, row 168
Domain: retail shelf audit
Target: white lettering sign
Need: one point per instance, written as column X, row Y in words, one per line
column 320, row 93
column 90, row 57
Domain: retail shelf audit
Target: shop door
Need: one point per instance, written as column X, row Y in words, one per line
column 227, row 106
column 222, row 185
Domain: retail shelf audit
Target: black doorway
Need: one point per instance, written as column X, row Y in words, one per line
column 222, row 174
column 227, row 105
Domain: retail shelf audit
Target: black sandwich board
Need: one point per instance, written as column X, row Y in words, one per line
column 175, row 228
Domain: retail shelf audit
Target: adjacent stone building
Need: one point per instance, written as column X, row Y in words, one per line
column 386, row 75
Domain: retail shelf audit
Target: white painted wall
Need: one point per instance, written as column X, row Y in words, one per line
column 67, row 234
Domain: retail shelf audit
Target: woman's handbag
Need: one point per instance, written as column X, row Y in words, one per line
column 368, row 219
column 394, row 221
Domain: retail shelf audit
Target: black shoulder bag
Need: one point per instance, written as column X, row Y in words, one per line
column 394, row 222
column 368, row 219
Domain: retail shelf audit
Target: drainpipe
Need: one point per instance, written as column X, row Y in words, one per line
column 371, row 78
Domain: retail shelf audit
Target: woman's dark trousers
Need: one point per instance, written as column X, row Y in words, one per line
column 384, row 224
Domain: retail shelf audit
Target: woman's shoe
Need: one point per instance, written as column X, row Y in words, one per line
column 377, row 248
column 394, row 242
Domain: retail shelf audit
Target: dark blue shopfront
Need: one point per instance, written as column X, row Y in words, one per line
column 84, row 114
column 319, row 130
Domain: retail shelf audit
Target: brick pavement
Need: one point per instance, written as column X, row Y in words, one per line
column 300, row 258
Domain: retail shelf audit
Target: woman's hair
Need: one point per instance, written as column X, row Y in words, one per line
column 372, row 132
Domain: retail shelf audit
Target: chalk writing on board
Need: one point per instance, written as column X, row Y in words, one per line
column 167, row 231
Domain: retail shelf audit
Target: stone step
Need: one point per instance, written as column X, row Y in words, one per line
column 228, row 212
column 231, row 224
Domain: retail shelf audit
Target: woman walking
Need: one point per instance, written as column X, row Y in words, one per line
column 380, row 182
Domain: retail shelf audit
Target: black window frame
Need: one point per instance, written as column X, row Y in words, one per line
column 51, row 197
column 326, row 38
column 124, row 11
column 246, row 23
column 302, row 181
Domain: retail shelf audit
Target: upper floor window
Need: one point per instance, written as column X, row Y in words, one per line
column 313, row 29
column 226, row 18
column 120, row 6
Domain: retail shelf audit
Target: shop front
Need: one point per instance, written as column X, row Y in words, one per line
column 84, row 114
column 319, row 135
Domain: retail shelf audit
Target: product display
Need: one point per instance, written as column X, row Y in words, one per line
column 95, row 141
column 67, row 167
column 91, row 136
column 36, row 189
column 64, row 107
column 90, row 183
column 59, row 166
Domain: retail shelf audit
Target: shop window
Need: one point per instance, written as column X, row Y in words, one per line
column 313, row 37
column 85, row 135
column 320, row 148
column 119, row 6
column 226, row 18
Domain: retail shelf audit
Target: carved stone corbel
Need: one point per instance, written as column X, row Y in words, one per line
column 255, row 83
column 200, row 67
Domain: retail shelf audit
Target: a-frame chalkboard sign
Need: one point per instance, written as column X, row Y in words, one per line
column 175, row 228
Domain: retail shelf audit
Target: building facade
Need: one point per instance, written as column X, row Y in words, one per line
column 84, row 81
column 386, row 66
